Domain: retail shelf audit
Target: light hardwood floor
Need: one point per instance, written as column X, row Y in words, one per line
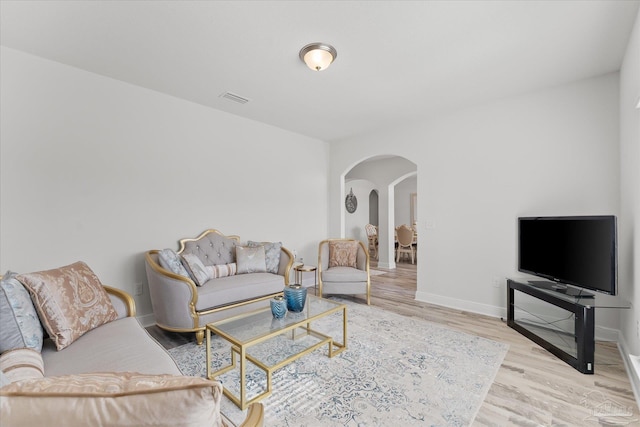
column 532, row 387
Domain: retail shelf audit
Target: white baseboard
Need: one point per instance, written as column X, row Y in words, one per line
column 458, row 304
column 388, row 265
column 632, row 365
column 146, row 320
column 607, row 334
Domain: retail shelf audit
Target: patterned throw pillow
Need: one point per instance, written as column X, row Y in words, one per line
column 170, row 260
column 343, row 254
column 250, row 260
column 20, row 324
column 197, row 270
column 271, row 254
column 70, row 301
column 223, row 270
column 201, row 273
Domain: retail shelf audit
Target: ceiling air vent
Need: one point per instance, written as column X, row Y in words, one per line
column 235, row 98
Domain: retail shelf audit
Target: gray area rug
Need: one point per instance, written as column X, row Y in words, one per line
column 397, row 370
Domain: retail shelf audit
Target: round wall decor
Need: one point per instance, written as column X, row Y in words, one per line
column 351, row 202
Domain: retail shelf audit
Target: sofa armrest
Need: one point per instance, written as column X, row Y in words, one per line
column 255, row 416
column 286, row 263
column 173, row 297
column 123, row 303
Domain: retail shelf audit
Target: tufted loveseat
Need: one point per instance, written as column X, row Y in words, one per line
column 181, row 304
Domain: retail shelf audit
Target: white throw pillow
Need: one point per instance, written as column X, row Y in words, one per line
column 272, row 252
column 250, row 260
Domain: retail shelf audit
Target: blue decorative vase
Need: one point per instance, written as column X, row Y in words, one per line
column 296, row 296
column 278, row 323
column 278, row 307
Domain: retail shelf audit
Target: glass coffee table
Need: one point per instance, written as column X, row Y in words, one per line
column 250, row 331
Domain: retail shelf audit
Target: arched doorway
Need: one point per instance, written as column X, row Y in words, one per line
column 388, row 185
column 373, row 207
column 375, row 180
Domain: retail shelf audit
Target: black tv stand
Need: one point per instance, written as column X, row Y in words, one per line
column 573, row 341
column 563, row 289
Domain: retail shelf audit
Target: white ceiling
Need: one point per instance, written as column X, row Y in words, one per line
column 397, row 61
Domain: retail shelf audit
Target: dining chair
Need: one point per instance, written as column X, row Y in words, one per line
column 372, row 237
column 404, row 235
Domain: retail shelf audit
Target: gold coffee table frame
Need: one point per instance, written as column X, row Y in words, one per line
column 252, row 328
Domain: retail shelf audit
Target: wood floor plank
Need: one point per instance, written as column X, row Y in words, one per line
column 532, row 387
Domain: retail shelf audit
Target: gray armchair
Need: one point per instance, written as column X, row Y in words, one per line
column 343, row 279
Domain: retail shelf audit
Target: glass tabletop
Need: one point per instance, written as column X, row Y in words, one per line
column 598, row 300
column 257, row 324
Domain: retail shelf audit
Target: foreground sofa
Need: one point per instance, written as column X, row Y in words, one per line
column 98, row 366
column 212, row 277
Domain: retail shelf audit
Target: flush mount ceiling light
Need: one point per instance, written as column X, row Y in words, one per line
column 318, row 56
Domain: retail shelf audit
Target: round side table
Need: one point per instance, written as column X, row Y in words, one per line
column 299, row 269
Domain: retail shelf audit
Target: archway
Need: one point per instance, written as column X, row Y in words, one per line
column 373, row 207
column 382, row 174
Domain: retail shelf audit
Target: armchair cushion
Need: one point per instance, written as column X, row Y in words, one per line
column 343, row 254
column 70, row 301
column 112, row 398
column 18, row 317
column 344, row 274
column 271, row 253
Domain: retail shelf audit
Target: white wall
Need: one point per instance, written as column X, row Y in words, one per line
column 551, row 152
column 629, row 223
column 402, row 197
column 98, row 170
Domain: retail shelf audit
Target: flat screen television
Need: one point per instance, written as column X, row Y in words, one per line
column 575, row 250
